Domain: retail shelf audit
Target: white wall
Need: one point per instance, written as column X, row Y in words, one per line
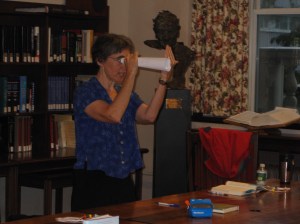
column 134, row 19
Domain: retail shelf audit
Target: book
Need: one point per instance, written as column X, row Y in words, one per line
column 13, row 92
column 23, row 93
column 51, row 132
column 87, row 42
column 224, row 208
column 63, row 130
column 234, row 188
column 3, row 95
column 36, row 44
column 279, row 117
column 67, row 134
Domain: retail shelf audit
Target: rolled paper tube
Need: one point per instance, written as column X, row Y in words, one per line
column 162, row 64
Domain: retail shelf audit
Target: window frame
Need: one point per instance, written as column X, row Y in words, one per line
column 256, row 11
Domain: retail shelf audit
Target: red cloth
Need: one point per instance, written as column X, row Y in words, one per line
column 226, row 149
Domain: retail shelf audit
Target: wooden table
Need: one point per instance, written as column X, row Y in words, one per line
column 264, row 207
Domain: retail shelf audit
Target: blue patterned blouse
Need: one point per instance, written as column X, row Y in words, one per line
column 112, row 148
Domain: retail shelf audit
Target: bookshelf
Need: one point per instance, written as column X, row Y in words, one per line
column 27, row 46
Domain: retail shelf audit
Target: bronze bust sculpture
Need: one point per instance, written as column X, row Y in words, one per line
column 166, row 28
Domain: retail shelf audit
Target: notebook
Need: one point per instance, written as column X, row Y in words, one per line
column 234, row 188
column 224, row 208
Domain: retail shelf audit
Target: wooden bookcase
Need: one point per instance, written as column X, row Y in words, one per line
column 39, row 72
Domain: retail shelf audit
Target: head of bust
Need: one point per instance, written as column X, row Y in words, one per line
column 166, row 27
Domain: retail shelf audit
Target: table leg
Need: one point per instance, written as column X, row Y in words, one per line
column 12, row 193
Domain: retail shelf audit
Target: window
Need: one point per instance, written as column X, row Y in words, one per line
column 275, row 55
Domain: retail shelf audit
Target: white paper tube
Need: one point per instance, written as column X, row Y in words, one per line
column 162, row 64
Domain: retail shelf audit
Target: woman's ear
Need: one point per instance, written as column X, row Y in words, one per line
column 99, row 62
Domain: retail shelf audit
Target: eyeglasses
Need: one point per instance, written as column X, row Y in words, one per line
column 119, row 59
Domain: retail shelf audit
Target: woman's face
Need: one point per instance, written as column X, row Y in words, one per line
column 113, row 68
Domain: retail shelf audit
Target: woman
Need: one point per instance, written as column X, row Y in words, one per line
column 106, row 110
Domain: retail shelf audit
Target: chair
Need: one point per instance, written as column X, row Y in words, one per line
column 139, row 177
column 200, row 177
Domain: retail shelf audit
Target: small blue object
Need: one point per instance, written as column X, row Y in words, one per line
column 200, row 208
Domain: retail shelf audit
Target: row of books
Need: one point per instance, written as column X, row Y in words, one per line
column 59, row 96
column 61, row 131
column 19, row 44
column 60, row 91
column 72, row 46
column 22, row 44
column 16, row 133
column 17, row 94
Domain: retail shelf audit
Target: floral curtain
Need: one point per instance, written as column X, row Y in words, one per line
column 219, row 74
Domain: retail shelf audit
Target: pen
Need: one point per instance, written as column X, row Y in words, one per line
column 168, row 204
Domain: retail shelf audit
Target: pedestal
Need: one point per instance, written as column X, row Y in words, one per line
column 170, row 173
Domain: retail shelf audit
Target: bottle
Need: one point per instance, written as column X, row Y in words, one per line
column 261, row 175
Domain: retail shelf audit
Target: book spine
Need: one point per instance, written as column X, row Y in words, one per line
column 3, row 95
column 18, row 42
column 50, row 45
column 32, row 44
column 51, row 132
column 31, row 97
column 13, row 90
column 28, row 45
column 22, row 134
column 36, row 39
column 23, row 93
column 61, row 93
column 27, row 133
column 1, row 43
column 11, row 43
column 79, row 47
column 87, row 42
column 66, row 92
column 27, row 144
column 64, row 50
column 55, row 134
column 55, row 89
column 5, row 43
column 11, row 135
column 15, row 133
column 14, row 38
column 16, row 94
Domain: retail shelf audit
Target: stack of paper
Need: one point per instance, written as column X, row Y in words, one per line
column 103, row 219
column 96, row 219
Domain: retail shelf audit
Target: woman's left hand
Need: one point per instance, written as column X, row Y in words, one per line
column 167, row 76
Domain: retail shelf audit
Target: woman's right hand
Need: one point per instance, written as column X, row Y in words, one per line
column 131, row 63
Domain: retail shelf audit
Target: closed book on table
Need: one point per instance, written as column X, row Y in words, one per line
column 224, row 208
